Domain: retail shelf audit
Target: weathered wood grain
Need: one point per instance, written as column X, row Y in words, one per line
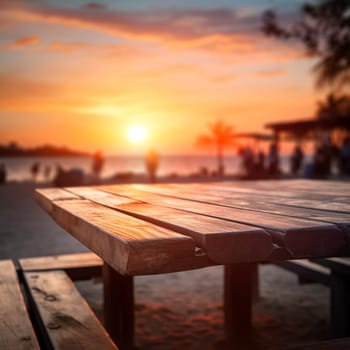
column 326, row 187
column 267, row 205
column 16, row 331
column 302, row 237
column 129, row 245
column 99, row 196
column 273, row 194
column 224, row 242
column 69, row 321
column 52, row 194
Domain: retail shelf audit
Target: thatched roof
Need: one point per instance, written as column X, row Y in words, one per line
column 305, row 126
column 255, row 136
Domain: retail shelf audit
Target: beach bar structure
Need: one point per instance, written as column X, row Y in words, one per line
column 313, row 129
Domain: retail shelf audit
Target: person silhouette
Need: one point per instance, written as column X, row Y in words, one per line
column 2, row 173
column 97, row 164
column 35, row 170
column 273, row 160
column 152, row 160
column 345, row 157
column 296, row 160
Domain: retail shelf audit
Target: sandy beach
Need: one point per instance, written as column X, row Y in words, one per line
column 178, row 310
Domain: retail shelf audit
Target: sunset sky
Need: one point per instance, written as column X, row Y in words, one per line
column 80, row 73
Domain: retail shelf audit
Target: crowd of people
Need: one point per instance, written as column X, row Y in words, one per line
column 76, row 176
column 255, row 164
column 326, row 154
column 260, row 165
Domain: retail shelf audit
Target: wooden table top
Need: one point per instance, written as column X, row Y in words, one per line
column 143, row 229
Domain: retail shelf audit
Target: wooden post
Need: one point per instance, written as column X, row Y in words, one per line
column 238, row 301
column 255, row 283
column 119, row 307
column 340, row 305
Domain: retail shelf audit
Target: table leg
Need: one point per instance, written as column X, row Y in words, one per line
column 340, row 306
column 239, row 282
column 119, row 307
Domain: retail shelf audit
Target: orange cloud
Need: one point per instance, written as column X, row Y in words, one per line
column 25, row 41
column 14, row 87
column 228, row 34
column 222, row 28
column 270, row 73
column 62, row 47
column 108, row 50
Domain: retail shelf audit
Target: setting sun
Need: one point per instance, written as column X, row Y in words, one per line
column 137, row 133
column 111, row 75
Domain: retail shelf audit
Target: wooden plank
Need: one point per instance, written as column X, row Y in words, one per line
column 239, row 194
column 78, row 266
column 295, row 187
column 304, row 238
column 52, row 194
column 16, row 331
column 307, row 270
column 272, row 189
column 129, row 245
column 60, row 262
column 326, row 187
column 339, row 265
column 330, row 205
column 224, row 242
column 266, row 203
column 292, row 187
column 269, row 205
column 67, row 318
column 99, row 196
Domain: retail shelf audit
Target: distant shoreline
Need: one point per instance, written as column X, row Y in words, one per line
column 31, row 155
column 13, row 150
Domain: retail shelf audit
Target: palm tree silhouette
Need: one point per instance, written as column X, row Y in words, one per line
column 221, row 135
column 334, row 106
column 323, row 28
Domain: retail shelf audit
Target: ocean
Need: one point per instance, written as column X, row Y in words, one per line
column 19, row 168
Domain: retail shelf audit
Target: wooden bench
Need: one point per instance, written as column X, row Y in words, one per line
column 16, row 331
column 307, row 271
column 332, row 272
column 340, row 294
column 80, row 266
column 61, row 314
column 59, row 317
column 335, row 344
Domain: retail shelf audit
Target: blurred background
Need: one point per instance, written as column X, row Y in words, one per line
column 203, row 84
